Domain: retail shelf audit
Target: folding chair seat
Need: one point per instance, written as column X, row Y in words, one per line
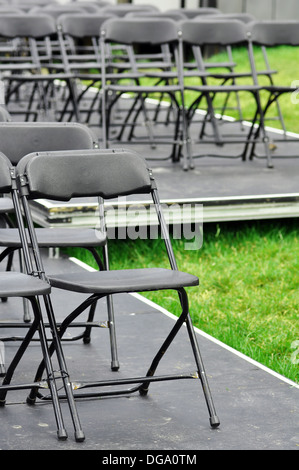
column 18, row 139
column 271, row 34
column 198, row 34
column 32, row 287
column 138, row 78
column 25, row 65
column 110, row 174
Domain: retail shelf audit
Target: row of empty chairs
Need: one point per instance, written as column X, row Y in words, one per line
column 63, row 175
column 59, row 59
column 117, row 56
column 62, row 160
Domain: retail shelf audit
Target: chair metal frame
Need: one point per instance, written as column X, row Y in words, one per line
column 18, row 139
column 25, row 63
column 34, row 288
column 78, row 38
column 270, row 34
column 108, row 174
column 212, row 32
column 166, row 80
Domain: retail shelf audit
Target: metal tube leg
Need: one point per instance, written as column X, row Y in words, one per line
column 113, row 343
column 214, row 420
column 79, row 434
column 38, row 325
column 61, row 432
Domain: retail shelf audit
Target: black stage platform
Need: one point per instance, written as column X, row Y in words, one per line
column 227, row 189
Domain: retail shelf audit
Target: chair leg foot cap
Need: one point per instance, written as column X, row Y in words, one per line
column 214, row 421
column 30, row 401
column 79, row 436
column 62, row 435
column 114, row 365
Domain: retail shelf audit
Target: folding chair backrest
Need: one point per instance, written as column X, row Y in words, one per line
column 140, row 30
column 244, row 17
column 56, row 11
column 210, row 32
column 20, row 138
column 123, row 10
column 80, row 26
column 89, row 7
column 103, row 173
column 274, row 33
column 9, row 10
column 193, row 12
column 34, row 26
column 5, row 175
column 176, row 16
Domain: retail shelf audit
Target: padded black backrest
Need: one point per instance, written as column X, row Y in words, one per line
column 274, row 33
column 20, row 138
column 140, row 30
column 210, row 32
column 104, row 173
column 35, row 26
column 80, row 26
column 5, row 176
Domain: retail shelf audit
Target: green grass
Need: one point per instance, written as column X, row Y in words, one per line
column 248, row 296
column 284, row 60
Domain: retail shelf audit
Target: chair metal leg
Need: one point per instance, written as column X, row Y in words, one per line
column 79, row 434
column 37, row 325
column 185, row 317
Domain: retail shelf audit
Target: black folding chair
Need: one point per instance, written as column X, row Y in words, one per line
column 109, row 174
column 267, row 34
column 78, row 38
column 27, row 67
column 155, row 75
column 18, row 139
column 31, row 287
column 196, row 35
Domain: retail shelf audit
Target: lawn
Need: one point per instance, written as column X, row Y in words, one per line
column 282, row 59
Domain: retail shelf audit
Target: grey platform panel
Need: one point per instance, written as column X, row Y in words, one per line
column 257, row 410
column 227, row 189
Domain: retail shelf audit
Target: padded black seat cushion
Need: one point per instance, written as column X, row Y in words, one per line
column 129, row 280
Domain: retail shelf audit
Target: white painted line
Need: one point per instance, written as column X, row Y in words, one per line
column 202, row 333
